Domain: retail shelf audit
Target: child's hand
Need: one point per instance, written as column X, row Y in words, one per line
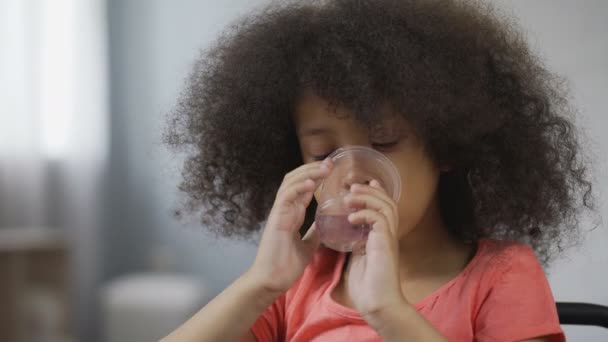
column 373, row 276
column 283, row 254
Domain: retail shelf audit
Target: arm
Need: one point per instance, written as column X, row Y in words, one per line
column 281, row 259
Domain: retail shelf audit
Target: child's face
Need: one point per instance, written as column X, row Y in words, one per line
column 321, row 131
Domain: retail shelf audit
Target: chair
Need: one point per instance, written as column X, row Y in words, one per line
column 582, row 314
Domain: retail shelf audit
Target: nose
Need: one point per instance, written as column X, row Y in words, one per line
column 353, row 178
column 355, row 174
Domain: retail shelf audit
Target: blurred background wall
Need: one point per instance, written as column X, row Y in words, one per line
column 111, row 185
column 152, row 47
column 54, row 150
column 571, row 37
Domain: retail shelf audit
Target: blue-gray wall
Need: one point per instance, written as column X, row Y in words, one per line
column 152, row 46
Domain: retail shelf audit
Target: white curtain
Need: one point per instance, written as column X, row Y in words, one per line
column 54, row 128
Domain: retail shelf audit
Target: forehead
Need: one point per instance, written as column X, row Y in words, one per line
column 312, row 108
column 314, row 114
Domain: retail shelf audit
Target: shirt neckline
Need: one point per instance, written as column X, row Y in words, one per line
column 351, row 313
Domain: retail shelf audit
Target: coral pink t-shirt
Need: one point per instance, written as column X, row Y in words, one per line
column 501, row 295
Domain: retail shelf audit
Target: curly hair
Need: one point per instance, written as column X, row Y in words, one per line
column 461, row 72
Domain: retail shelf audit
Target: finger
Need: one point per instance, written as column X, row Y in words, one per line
column 315, row 171
column 380, row 204
column 295, row 192
column 370, row 201
column 377, row 192
column 307, row 197
column 381, row 238
column 312, row 233
column 311, row 239
column 374, row 187
column 306, row 168
column 375, row 184
column 377, row 221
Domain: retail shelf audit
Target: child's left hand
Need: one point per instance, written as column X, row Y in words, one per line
column 373, row 279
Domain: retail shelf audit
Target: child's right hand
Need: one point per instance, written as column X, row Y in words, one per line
column 283, row 254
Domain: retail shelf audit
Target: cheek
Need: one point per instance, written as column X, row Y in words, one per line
column 418, row 189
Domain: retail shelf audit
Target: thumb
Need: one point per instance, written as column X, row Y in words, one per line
column 312, row 239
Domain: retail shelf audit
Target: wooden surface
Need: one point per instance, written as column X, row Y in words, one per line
column 34, row 266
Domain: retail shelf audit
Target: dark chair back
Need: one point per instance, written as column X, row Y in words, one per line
column 582, row 314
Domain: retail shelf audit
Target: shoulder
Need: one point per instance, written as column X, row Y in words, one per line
column 500, row 257
column 506, row 267
column 510, row 272
column 515, row 301
column 504, row 248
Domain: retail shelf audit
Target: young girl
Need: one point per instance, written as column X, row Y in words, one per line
column 478, row 129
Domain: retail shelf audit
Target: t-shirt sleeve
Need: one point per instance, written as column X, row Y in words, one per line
column 270, row 326
column 519, row 304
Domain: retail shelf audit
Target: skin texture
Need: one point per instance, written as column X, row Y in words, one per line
column 483, row 105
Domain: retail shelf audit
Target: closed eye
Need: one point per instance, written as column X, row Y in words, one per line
column 319, row 158
column 384, row 146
